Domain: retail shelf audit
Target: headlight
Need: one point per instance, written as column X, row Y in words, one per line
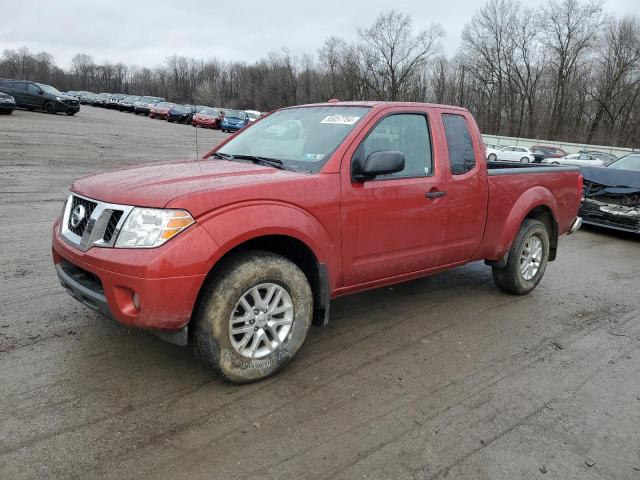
column 150, row 227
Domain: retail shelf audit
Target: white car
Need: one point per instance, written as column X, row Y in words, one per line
column 510, row 154
column 579, row 159
column 492, row 151
column 253, row 115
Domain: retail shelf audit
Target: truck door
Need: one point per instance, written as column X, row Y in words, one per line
column 467, row 189
column 393, row 224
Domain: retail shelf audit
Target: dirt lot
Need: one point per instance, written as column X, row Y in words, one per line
column 441, row 377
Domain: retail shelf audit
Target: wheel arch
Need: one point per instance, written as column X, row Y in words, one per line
column 290, row 247
column 536, row 203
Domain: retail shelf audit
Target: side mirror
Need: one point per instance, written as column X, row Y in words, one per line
column 377, row 163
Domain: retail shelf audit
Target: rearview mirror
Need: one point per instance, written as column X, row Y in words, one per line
column 377, row 163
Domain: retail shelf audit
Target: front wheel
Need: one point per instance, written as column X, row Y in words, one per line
column 527, row 260
column 254, row 316
column 492, row 157
column 49, row 107
column 524, row 160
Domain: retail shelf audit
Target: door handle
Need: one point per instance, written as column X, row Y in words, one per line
column 435, row 194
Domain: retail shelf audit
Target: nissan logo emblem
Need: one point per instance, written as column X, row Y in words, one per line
column 77, row 215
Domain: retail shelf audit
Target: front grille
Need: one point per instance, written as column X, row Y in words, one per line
column 88, row 207
column 111, row 226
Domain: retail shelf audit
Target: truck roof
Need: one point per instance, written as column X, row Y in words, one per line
column 379, row 105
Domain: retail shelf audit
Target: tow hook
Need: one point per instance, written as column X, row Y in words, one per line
column 576, row 225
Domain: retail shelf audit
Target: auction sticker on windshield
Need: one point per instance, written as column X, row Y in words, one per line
column 341, row 119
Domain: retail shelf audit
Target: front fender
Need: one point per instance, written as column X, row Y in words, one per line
column 238, row 223
column 503, row 226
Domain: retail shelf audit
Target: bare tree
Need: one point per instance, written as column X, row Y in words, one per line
column 618, row 72
column 570, row 30
column 393, row 55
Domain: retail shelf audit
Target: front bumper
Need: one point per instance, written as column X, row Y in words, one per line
column 232, row 128
column 204, row 123
column 166, row 279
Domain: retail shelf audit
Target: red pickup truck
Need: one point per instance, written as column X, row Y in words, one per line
column 239, row 253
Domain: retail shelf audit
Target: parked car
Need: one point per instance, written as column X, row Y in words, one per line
column 612, row 194
column 114, row 101
column 511, row 154
column 160, row 110
column 241, row 252
column 126, row 103
column 607, row 158
column 7, row 104
column 492, row 151
column 579, row 159
column 101, row 100
column 209, row 117
column 253, row 115
column 549, row 152
column 86, row 97
column 143, row 105
column 181, row 113
column 233, row 120
column 32, row 96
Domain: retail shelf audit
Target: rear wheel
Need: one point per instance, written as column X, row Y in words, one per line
column 524, row 160
column 492, row 157
column 527, row 260
column 49, row 107
column 254, row 316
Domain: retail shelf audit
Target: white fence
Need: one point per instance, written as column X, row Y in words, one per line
column 566, row 146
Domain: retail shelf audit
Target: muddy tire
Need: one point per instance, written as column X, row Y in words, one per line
column 527, row 261
column 253, row 317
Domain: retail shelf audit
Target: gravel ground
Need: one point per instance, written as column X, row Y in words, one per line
column 444, row 377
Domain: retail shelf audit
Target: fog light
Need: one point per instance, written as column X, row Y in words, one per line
column 136, row 300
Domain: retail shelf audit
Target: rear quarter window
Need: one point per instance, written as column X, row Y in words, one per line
column 460, row 145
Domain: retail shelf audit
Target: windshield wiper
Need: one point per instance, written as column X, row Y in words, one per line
column 223, row 156
column 271, row 162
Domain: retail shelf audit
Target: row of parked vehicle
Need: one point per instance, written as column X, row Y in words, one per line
column 549, row 155
column 227, row 120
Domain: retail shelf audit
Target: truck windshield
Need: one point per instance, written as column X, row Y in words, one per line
column 302, row 138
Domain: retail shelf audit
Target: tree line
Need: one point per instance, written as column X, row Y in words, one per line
column 563, row 71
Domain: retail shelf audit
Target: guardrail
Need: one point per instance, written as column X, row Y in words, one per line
column 566, row 146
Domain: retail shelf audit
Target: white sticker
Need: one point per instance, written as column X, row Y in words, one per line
column 340, row 119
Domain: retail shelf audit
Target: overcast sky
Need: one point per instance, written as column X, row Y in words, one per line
column 146, row 32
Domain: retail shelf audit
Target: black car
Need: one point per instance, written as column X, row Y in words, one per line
column 32, row 96
column 114, row 100
column 181, row 113
column 126, row 104
column 7, row 103
column 142, row 105
column 101, row 100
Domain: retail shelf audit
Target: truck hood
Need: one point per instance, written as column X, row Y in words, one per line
column 156, row 185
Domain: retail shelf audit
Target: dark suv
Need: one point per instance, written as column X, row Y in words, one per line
column 32, row 96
